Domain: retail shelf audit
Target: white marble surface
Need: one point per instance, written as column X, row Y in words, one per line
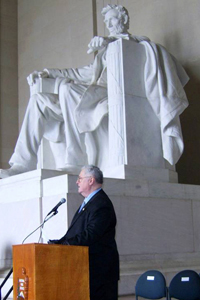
column 21, row 186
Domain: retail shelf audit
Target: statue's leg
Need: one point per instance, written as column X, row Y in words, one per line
column 69, row 97
column 41, row 109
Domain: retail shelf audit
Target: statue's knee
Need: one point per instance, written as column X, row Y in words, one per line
column 65, row 88
column 33, row 98
column 34, row 101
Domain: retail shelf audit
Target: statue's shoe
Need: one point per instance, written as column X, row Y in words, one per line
column 14, row 170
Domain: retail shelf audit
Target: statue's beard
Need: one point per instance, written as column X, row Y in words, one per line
column 118, row 29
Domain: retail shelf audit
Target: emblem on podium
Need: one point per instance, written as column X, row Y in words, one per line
column 22, row 285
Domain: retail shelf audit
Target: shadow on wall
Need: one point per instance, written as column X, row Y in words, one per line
column 189, row 164
column 6, row 257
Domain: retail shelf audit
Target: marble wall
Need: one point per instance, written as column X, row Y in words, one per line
column 56, row 34
column 51, row 34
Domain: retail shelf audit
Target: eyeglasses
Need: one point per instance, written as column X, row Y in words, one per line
column 81, row 178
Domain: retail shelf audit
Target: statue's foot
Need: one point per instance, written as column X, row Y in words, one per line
column 71, row 169
column 14, row 170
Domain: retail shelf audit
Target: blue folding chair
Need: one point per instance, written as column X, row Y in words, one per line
column 185, row 285
column 151, row 285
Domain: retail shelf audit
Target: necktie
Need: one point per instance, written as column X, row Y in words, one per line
column 82, row 205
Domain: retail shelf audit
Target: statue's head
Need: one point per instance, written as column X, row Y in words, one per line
column 116, row 19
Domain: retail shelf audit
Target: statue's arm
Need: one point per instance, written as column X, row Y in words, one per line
column 78, row 75
column 98, row 43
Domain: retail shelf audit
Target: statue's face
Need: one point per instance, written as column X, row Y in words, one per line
column 114, row 22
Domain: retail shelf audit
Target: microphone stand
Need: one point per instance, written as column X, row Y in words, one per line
column 41, row 225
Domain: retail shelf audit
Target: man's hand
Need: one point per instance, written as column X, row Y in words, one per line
column 52, row 242
column 36, row 74
column 97, row 43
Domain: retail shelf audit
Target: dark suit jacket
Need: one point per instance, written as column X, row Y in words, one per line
column 94, row 226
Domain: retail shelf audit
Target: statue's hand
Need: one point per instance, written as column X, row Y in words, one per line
column 36, row 74
column 96, row 43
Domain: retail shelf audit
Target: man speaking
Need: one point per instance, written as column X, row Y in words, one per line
column 93, row 225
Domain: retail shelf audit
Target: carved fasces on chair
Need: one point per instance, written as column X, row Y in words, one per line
column 46, row 153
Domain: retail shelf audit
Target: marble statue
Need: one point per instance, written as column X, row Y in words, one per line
column 78, row 114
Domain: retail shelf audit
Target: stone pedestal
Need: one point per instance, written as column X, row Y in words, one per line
column 158, row 224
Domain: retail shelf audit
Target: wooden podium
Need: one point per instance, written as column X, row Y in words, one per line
column 53, row 272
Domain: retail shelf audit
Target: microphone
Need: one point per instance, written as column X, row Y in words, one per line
column 63, row 200
column 54, row 210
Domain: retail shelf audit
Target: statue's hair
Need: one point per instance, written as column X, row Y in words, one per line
column 123, row 12
column 95, row 172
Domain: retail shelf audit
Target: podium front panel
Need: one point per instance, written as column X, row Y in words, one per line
column 52, row 272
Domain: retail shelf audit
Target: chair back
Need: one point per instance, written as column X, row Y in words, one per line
column 185, row 285
column 151, row 285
